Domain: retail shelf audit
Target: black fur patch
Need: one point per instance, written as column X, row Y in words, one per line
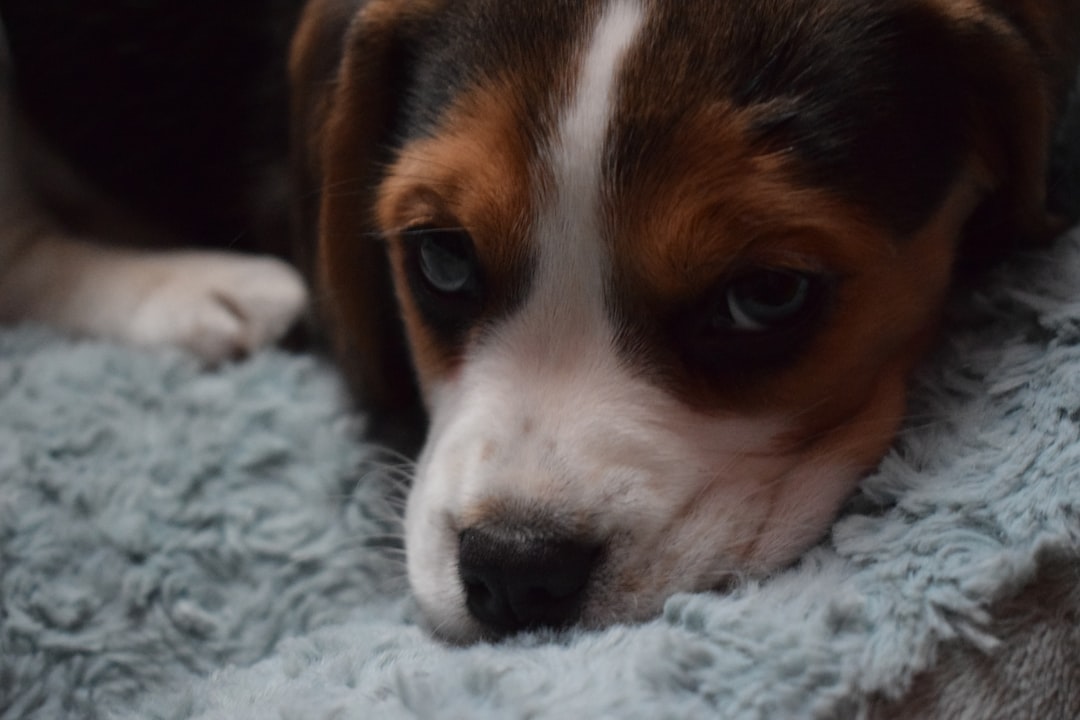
column 865, row 95
column 482, row 42
column 876, row 107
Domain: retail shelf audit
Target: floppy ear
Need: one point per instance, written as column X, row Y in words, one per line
column 349, row 67
column 1020, row 69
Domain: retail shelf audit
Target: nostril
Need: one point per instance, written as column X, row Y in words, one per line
column 484, row 597
column 517, row 578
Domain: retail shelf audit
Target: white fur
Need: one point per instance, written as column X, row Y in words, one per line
column 570, row 234
column 214, row 305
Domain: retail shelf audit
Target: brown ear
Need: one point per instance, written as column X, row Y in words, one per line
column 348, row 68
column 1020, row 65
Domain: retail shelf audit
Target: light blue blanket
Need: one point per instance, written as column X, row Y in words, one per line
column 177, row 543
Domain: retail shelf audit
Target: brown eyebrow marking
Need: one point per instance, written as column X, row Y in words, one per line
column 476, row 171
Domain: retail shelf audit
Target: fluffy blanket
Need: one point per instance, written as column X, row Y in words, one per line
column 180, row 543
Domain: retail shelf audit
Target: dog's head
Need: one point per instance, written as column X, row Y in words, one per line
column 664, row 267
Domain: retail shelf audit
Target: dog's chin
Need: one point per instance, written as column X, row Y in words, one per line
column 615, row 599
column 458, row 628
column 711, row 546
column 451, row 622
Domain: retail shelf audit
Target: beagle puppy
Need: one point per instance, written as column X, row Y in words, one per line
column 655, row 272
column 663, row 266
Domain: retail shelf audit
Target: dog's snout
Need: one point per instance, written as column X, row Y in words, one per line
column 518, row 578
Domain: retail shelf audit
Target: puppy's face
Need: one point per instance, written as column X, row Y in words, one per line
column 664, row 269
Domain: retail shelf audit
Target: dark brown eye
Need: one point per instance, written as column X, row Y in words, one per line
column 763, row 300
column 755, row 320
column 446, row 260
column 445, row 279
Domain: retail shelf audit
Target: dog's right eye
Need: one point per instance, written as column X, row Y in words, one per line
column 445, row 276
column 445, row 259
column 755, row 320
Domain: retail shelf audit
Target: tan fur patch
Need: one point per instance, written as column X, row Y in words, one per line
column 719, row 207
column 475, row 173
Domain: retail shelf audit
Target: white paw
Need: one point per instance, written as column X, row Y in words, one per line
column 218, row 306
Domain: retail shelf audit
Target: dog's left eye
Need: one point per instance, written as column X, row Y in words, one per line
column 753, row 320
column 764, row 300
column 445, row 279
column 446, row 260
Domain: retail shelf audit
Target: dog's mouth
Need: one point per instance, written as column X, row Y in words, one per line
column 527, row 568
column 511, row 579
column 561, row 533
column 561, row 586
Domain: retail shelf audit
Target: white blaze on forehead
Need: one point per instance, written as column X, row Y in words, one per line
column 544, row 413
column 570, row 232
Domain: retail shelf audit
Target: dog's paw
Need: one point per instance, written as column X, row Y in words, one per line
column 218, row 306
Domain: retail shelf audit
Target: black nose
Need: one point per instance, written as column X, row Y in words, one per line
column 516, row 578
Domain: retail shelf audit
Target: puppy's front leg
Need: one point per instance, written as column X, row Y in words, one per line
column 217, row 305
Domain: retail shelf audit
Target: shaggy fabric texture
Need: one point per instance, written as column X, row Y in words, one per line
column 178, row 543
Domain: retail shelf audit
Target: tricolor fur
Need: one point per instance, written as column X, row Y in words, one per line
column 614, row 164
